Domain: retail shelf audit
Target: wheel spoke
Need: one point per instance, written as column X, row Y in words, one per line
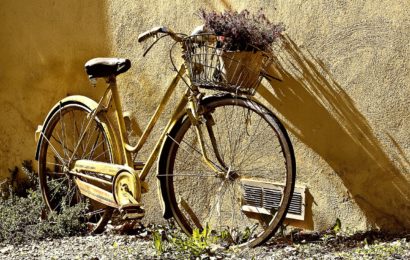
column 63, row 133
column 243, row 138
column 196, row 151
column 200, row 175
column 54, row 149
column 94, row 213
column 66, row 150
column 89, row 154
column 95, row 145
column 73, row 137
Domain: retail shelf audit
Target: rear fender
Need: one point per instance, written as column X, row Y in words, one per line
column 75, row 99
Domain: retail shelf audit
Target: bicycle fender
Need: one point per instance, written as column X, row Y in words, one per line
column 161, row 181
column 91, row 104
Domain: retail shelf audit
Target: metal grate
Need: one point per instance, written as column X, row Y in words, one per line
column 265, row 198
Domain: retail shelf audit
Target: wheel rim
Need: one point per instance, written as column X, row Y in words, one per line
column 60, row 139
column 257, row 152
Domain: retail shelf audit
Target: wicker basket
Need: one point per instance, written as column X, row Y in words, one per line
column 211, row 67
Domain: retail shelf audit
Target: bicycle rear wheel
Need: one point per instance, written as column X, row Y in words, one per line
column 247, row 200
column 60, row 139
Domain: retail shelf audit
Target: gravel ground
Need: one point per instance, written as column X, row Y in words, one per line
column 141, row 246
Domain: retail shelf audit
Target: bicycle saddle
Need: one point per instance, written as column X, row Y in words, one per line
column 106, row 67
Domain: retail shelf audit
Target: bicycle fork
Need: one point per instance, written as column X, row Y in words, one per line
column 196, row 120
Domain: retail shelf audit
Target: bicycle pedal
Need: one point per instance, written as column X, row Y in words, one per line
column 131, row 211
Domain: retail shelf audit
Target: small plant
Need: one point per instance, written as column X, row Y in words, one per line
column 337, row 226
column 172, row 239
column 242, row 31
column 22, row 211
column 20, row 219
column 197, row 244
column 19, row 182
column 230, row 237
column 283, row 229
column 158, row 243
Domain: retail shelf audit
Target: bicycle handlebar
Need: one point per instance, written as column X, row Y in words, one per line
column 160, row 29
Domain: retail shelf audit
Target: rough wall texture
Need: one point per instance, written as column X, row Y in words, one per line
column 343, row 96
column 44, row 45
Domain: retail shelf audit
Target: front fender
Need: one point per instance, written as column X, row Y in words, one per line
column 88, row 102
column 162, row 162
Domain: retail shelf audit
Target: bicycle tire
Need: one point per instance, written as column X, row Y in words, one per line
column 60, row 137
column 195, row 195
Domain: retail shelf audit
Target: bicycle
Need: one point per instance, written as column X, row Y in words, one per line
column 224, row 160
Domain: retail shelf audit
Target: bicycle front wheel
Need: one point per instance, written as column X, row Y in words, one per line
column 62, row 143
column 246, row 199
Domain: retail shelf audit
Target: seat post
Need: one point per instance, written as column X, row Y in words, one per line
column 112, row 84
column 111, row 80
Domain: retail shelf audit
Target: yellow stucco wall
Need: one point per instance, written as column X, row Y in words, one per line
column 344, row 94
column 43, row 46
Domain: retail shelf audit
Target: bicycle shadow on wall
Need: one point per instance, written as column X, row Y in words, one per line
column 320, row 114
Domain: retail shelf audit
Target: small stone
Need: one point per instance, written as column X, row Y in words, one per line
column 204, row 256
column 216, row 248
column 6, row 250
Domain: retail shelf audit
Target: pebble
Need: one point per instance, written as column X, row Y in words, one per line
column 109, row 246
column 6, row 249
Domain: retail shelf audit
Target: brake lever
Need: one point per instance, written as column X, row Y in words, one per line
column 152, row 45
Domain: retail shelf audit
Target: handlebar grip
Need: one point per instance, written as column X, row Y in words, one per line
column 145, row 35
